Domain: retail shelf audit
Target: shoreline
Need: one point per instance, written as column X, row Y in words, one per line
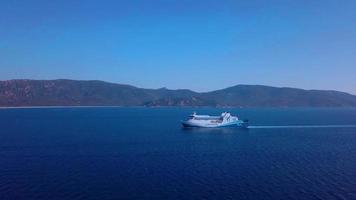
column 276, row 107
column 26, row 107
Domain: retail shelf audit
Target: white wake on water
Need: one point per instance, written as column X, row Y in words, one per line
column 304, row 126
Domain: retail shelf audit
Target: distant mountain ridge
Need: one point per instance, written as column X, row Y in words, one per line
column 63, row 92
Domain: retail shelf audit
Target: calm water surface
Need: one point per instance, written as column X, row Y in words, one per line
column 143, row 153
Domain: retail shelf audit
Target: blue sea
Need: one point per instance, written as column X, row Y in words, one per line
column 144, row 153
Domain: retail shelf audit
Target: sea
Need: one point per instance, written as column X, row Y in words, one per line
column 144, row 153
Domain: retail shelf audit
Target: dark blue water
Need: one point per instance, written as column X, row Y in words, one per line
column 143, row 153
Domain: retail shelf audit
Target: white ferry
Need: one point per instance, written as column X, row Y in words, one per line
column 207, row 121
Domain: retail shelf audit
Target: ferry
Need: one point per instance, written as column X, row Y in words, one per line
column 207, row 121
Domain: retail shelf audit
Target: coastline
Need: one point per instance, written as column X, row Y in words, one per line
column 217, row 107
column 38, row 107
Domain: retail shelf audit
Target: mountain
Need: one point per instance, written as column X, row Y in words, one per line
column 263, row 96
column 80, row 93
column 98, row 93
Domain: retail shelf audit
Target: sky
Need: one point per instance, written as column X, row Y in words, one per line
column 199, row 45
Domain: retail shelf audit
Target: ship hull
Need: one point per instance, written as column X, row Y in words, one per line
column 241, row 124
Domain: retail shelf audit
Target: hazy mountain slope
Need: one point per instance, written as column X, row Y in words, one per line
column 68, row 92
column 258, row 95
column 86, row 93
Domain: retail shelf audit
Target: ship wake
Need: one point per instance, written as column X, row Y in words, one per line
column 303, row 126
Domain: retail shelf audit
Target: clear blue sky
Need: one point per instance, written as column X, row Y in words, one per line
column 200, row 45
